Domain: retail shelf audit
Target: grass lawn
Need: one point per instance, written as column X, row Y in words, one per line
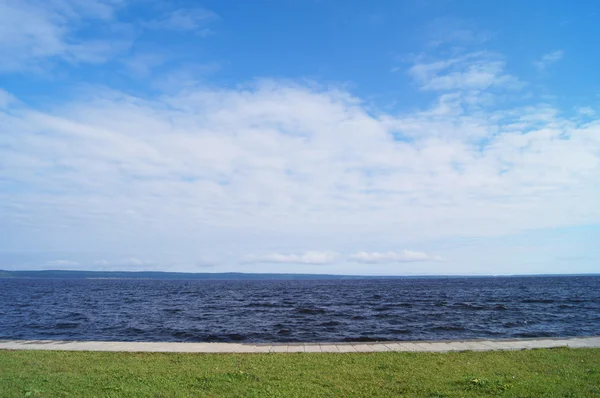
column 558, row 372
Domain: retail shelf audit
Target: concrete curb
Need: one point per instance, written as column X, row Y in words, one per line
column 384, row 346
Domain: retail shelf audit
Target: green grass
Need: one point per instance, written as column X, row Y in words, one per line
column 534, row 373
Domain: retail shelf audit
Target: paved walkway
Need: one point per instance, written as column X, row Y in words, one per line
column 416, row 346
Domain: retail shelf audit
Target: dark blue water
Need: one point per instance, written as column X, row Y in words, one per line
column 307, row 310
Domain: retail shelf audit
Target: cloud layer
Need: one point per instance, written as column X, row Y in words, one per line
column 405, row 256
column 312, row 258
column 283, row 160
column 185, row 170
column 548, row 59
column 33, row 34
column 474, row 71
column 36, row 35
column 195, row 20
column 324, row 258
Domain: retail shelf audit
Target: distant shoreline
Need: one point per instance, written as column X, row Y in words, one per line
column 158, row 275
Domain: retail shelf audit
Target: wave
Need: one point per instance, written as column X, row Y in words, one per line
column 469, row 306
column 310, row 311
column 330, row 323
column 513, row 324
column 400, row 331
column 313, row 311
column 263, row 305
column 363, row 339
column 447, row 328
column 384, row 308
column 534, row 334
column 173, row 310
column 538, row 301
column 66, row 325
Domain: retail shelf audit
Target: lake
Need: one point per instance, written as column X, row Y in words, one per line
column 299, row 310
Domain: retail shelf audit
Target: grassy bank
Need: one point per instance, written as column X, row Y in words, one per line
column 547, row 372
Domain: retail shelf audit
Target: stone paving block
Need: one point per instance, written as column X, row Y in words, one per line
column 142, row 347
column 439, row 347
column 312, row 348
column 379, row 347
column 408, row 346
column 66, row 347
column 329, row 348
column 262, row 348
column 475, row 346
column 90, row 347
column 8, row 345
column 559, row 343
column 425, row 346
column 345, row 348
column 279, row 348
column 152, row 347
column 19, row 346
column 509, row 344
column 87, row 347
column 581, row 343
column 518, row 345
column 223, row 347
column 296, row 348
column 168, row 347
column 394, row 347
column 239, row 349
column 37, row 347
column 363, row 347
column 507, row 347
column 538, row 343
column 246, row 349
column 457, row 346
column 491, row 345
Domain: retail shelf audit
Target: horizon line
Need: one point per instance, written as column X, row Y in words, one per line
column 305, row 274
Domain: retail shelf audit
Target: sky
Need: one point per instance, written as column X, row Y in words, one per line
column 300, row 136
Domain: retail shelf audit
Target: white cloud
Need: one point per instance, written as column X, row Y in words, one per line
column 475, row 71
column 193, row 19
column 276, row 167
column 404, row 256
column 586, row 111
column 137, row 264
column 141, row 65
column 33, row 32
column 35, row 35
column 128, row 261
column 186, row 75
column 6, row 98
column 454, row 31
column 132, row 261
column 548, row 59
column 63, row 263
column 311, row 257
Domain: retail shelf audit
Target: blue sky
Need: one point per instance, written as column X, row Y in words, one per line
column 385, row 137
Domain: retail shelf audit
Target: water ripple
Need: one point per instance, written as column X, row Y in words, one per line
column 290, row 311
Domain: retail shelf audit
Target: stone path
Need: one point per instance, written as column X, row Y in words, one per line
column 420, row 346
